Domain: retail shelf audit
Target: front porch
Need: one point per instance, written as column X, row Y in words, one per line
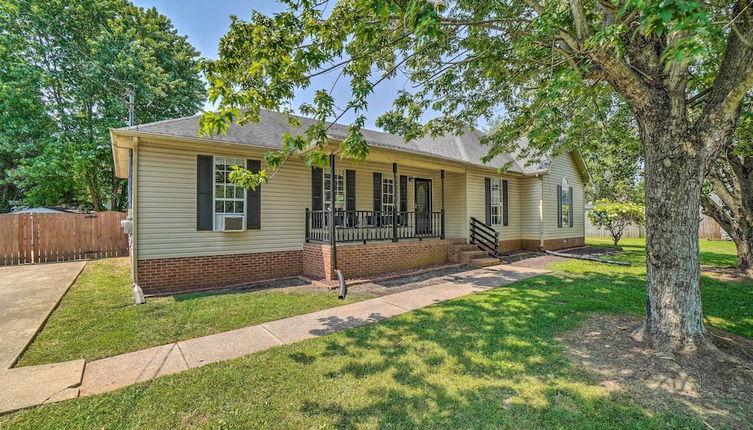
column 371, row 226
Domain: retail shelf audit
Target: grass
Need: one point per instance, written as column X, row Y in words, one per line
column 97, row 319
column 489, row 360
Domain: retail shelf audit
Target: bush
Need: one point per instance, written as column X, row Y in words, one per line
column 615, row 216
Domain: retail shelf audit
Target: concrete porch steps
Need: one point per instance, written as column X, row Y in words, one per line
column 483, row 262
column 470, row 254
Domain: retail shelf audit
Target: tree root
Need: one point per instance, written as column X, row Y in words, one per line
column 722, row 354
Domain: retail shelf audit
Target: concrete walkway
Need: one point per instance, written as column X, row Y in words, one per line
column 111, row 373
column 28, row 294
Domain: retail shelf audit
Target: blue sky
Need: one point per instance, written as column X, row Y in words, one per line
column 205, row 22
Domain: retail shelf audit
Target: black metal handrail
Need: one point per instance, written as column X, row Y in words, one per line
column 485, row 237
column 366, row 226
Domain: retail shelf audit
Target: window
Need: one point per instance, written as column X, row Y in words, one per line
column 339, row 190
column 388, row 195
column 229, row 199
column 566, row 203
column 497, row 202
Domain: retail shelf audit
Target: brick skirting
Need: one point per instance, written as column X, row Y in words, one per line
column 185, row 274
column 358, row 259
column 553, row 244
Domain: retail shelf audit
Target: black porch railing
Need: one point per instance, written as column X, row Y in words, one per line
column 367, row 226
column 485, row 237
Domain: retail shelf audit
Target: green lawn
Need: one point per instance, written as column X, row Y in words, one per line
column 97, row 318
column 489, row 360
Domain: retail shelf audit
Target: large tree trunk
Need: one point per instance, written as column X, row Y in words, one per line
column 745, row 254
column 673, row 186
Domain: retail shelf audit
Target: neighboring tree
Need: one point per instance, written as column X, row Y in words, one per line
column 616, row 216
column 612, row 150
column 683, row 69
column 731, row 181
column 22, row 115
column 78, row 58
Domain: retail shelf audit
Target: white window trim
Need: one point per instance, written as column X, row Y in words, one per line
column 393, row 196
column 215, row 227
column 326, row 195
column 565, row 197
column 500, row 204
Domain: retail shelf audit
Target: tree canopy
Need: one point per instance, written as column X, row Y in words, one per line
column 65, row 70
column 681, row 67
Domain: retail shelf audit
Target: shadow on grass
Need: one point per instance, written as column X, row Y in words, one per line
column 488, row 360
column 484, row 359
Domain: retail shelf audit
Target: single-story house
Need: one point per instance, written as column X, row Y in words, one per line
column 407, row 205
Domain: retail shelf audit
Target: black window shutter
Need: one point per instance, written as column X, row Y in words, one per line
column 488, row 199
column 350, row 190
column 253, row 199
column 505, row 201
column 316, row 189
column 403, row 193
column 204, row 185
column 559, row 205
column 377, row 192
column 570, row 202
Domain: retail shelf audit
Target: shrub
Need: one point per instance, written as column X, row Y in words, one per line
column 615, row 216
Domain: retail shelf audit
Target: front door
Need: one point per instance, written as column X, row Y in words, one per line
column 422, row 193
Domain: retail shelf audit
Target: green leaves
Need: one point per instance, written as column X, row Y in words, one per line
column 614, row 216
column 83, row 55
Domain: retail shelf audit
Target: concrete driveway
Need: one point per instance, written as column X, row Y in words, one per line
column 28, row 294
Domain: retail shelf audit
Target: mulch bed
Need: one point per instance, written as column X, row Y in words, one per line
column 728, row 274
column 717, row 396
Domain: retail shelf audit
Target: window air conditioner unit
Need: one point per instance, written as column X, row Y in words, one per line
column 230, row 223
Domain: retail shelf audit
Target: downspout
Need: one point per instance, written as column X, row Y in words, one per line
column 332, row 230
column 133, row 157
column 541, row 210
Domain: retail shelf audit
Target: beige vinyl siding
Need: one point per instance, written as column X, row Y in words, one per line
column 477, row 202
column 167, row 208
column 563, row 166
column 530, row 199
column 456, row 221
column 365, row 183
column 167, row 203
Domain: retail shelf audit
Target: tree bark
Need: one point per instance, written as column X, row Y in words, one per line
column 673, row 175
column 731, row 180
column 745, row 254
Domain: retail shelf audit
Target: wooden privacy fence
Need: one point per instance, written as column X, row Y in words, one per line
column 44, row 237
column 707, row 229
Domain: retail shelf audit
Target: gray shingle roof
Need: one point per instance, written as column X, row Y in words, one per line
column 268, row 132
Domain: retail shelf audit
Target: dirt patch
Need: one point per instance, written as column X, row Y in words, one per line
column 398, row 285
column 538, row 260
column 603, row 345
column 728, row 274
column 592, row 251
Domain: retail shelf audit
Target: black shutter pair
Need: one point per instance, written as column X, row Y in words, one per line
column 317, row 189
column 570, row 212
column 204, row 185
column 488, row 201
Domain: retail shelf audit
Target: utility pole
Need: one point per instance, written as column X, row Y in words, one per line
column 138, row 294
column 131, row 99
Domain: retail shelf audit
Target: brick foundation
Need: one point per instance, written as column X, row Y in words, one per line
column 186, row 274
column 553, row 244
column 358, row 259
column 509, row 245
